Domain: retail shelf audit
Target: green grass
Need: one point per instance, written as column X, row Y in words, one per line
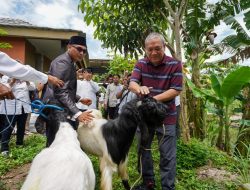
column 19, row 156
column 190, row 157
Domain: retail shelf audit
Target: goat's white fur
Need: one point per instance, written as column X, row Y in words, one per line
column 62, row 166
column 93, row 142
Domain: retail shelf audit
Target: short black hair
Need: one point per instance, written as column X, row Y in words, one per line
column 116, row 75
column 89, row 70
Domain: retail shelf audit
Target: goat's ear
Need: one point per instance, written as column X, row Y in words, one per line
column 138, row 103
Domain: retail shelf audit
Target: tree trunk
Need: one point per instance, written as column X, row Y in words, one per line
column 227, row 134
column 197, row 114
column 219, row 142
column 185, row 132
column 244, row 131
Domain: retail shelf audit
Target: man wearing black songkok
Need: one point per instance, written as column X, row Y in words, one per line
column 63, row 67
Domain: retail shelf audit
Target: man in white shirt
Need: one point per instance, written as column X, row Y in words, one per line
column 111, row 100
column 14, row 69
column 87, row 88
column 16, row 111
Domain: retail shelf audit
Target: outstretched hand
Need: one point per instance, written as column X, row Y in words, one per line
column 143, row 90
column 55, row 81
column 85, row 117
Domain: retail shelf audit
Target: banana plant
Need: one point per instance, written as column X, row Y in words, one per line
column 222, row 94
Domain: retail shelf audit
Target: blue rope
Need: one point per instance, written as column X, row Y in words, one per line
column 38, row 106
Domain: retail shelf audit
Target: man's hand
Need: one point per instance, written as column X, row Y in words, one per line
column 86, row 101
column 143, row 90
column 5, row 92
column 55, row 81
column 85, row 117
column 12, row 82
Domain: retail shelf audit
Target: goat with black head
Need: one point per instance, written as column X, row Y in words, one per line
column 111, row 139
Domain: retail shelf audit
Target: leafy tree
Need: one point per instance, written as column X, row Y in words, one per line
column 4, row 45
column 118, row 23
column 120, row 64
column 239, row 46
column 123, row 25
column 222, row 94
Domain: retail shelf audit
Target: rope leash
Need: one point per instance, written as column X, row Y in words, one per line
column 37, row 107
column 148, row 149
column 137, row 181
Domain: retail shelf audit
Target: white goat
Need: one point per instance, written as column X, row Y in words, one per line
column 62, row 166
column 110, row 140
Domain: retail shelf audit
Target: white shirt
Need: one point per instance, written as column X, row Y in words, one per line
column 177, row 100
column 110, row 95
column 101, row 98
column 12, row 68
column 87, row 89
column 21, row 91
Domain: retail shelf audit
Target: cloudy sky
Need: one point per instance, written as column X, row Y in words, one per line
column 64, row 14
column 54, row 14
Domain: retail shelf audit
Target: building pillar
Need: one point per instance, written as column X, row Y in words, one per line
column 39, row 62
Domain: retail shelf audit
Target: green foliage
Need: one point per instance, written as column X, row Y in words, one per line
column 189, row 157
column 19, row 156
column 195, row 155
column 243, row 165
column 120, row 64
column 196, row 27
column 4, row 45
column 123, row 25
column 223, row 94
column 232, row 84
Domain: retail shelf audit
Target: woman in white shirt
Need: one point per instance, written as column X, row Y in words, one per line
column 15, row 110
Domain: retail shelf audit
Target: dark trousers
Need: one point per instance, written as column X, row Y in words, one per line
column 2, row 123
column 53, row 123
column 178, row 128
column 20, row 120
column 112, row 112
column 105, row 113
column 167, row 145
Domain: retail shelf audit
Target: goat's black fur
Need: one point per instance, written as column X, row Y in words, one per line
column 111, row 139
column 119, row 133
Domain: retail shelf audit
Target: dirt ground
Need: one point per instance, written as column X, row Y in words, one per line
column 14, row 178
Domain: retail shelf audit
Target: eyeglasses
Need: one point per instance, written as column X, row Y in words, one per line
column 79, row 49
column 150, row 50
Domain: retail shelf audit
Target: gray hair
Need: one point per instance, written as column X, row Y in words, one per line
column 154, row 35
